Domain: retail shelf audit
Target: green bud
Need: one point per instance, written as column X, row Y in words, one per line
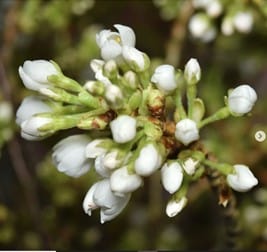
column 130, row 79
column 152, row 130
column 156, row 102
column 95, row 87
column 135, row 100
column 198, row 110
column 110, row 69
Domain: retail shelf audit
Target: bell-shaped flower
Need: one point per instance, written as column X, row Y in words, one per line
column 95, row 149
column 100, row 167
column 69, row 155
column 201, row 28
column 148, row 161
column 243, row 21
column 110, row 204
column 111, row 43
column 192, row 71
column 174, row 207
column 137, row 60
column 122, row 182
column 31, row 128
column 88, row 202
column 164, row 78
column 34, row 73
column 186, row 131
column 31, row 105
column 123, row 128
column 243, row 179
column 241, row 100
column 172, row 176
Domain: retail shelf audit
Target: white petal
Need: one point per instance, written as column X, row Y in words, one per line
column 127, row 35
column 110, row 50
column 88, row 202
column 174, row 207
column 186, row 131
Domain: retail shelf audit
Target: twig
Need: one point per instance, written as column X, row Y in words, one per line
column 178, row 34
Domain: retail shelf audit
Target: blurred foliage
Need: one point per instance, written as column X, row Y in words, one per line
column 51, row 216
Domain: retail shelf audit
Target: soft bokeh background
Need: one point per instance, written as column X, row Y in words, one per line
column 41, row 208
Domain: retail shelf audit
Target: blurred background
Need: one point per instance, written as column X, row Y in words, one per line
column 41, row 208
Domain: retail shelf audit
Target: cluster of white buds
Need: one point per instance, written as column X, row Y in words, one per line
column 137, row 133
column 202, row 24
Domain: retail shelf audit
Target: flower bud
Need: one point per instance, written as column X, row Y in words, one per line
column 241, row 100
column 214, row 8
column 96, row 148
column 190, row 165
column 123, row 128
column 113, row 94
column 122, row 182
column 6, row 112
column 172, row 176
column 95, row 87
column 243, row 179
column 100, row 167
column 34, row 73
column 111, row 160
column 137, row 60
column 227, row 26
column 97, row 65
column 131, row 79
column 69, row 155
column 243, row 21
column 31, row 128
column 164, row 78
column 29, row 107
column 148, row 161
column 175, row 207
column 186, row 131
column 110, row 69
column 192, row 72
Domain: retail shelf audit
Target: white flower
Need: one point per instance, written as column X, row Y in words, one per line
column 242, row 99
column 30, row 106
column 186, row 131
column 135, row 58
column 110, row 204
column 243, row 179
column 214, row 8
column 100, row 167
column 200, row 3
column 111, row 43
column 34, row 73
column 190, row 165
column 201, row 28
column 192, row 71
column 30, row 129
column 113, row 93
column 227, row 26
column 172, row 176
column 94, row 150
column 122, row 182
column 123, row 128
column 69, row 155
column 6, row 112
column 111, row 160
column 148, row 161
column 164, row 78
column 175, row 207
column 88, row 202
column 243, row 21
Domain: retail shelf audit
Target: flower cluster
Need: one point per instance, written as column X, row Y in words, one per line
column 135, row 123
column 236, row 16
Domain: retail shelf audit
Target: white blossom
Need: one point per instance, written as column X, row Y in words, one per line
column 214, row 8
column 242, row 99
column 93, row 149
column 243, row 179
column 190, row 165
column 192, row 71
column 69, row 155
column 123, row 128
column 30, row 106
column 148, row 161
column 171, row 176
column 164, row 78
column 30, row 129
column 110, row 204
column 186, row 131
column 122, row 182
column 88, row 202
column 135, row 58
column 34, row 73
column 112, row 43
column 100, row 167
column 175, row 207
column 243, row 21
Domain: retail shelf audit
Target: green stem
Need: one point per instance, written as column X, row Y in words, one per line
column 191, row 93
column 221, row 167
column 219, row 115
column 179, row 104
